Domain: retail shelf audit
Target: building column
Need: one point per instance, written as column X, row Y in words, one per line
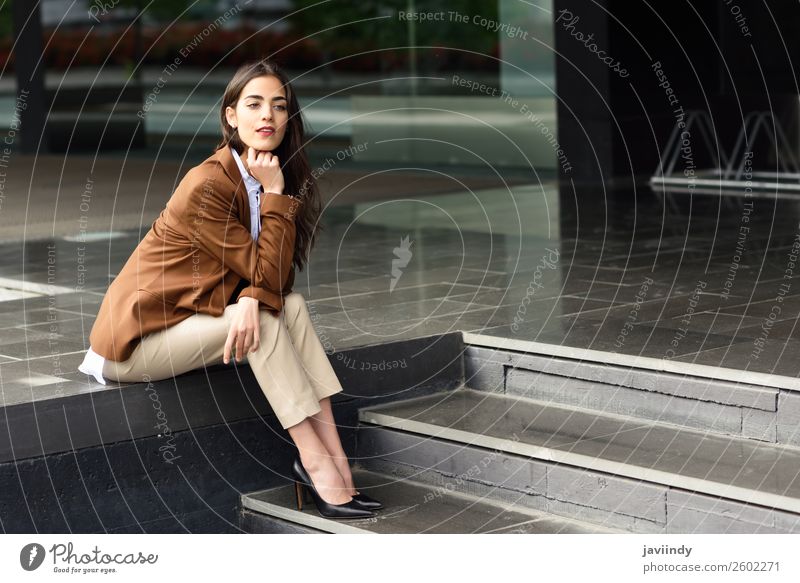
column 31, row 104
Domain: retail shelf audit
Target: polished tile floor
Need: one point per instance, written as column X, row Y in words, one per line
column 701, row 279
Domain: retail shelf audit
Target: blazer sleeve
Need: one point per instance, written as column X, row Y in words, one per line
column 264, row 296
column 215, row 228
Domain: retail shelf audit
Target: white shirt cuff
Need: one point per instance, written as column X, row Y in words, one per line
column 93, row 365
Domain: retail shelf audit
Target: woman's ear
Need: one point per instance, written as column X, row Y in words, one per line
column 230, row 115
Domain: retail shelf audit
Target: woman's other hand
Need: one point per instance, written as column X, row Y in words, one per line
column 265, row 167
column 243, row 335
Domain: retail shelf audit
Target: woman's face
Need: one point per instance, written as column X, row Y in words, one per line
column 262, row 103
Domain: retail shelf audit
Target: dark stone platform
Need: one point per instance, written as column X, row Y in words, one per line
column 118, row 460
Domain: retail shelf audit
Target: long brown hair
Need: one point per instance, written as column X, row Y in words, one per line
column 297, row 176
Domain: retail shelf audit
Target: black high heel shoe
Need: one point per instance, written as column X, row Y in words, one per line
column 367, row 502
column 351, row 509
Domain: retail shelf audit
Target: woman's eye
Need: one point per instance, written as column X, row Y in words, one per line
column 281, row 107
column 253, row 105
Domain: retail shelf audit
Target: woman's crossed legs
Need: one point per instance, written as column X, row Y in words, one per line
column 292, row 370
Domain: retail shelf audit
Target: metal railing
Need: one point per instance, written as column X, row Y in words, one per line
column 732, row 172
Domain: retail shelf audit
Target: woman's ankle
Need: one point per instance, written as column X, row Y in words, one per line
column 347, row 476
column 310, row 461
column 329, row 483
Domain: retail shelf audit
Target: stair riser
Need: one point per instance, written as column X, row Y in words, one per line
column 761, row 413
column 590, row 496
column 258, row 523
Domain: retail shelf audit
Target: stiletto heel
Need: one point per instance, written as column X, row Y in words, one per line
column 299, row 495
column 351, row 509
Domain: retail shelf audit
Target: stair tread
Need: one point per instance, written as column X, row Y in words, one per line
column 412, row 507
column 730, row 467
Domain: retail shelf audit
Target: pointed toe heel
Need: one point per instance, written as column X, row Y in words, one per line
column 351, row 509
column 367, row 501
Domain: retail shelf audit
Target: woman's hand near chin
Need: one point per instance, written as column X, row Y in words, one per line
column 244, row 333
column 265, row 167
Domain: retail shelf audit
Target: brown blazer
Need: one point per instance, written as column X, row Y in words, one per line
column 195, row 254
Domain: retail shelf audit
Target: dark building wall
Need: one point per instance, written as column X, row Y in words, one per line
column 728, row 60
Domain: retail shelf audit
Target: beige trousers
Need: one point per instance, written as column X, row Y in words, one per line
column 290, row 364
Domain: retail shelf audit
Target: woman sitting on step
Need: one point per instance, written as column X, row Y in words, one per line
column 214, row 276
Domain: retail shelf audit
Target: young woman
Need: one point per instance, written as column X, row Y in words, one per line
column 214, row 275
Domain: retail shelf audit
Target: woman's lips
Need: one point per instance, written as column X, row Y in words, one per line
column 265, row 133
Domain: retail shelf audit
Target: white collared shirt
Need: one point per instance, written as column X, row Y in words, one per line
column 93, row 363
column 253, row 194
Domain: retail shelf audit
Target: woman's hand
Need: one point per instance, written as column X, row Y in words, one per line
column 244, row 331
column 265, row 168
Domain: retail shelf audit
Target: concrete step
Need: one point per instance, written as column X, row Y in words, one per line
column 640, row 363
column 409, row 508
column 760, row 412
column 640, row 476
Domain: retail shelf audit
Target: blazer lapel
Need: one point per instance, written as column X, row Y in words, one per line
column 230, row 167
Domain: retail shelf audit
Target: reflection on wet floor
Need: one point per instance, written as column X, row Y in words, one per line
column 670, row 277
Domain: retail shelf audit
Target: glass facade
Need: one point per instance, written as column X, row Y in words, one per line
column 466, row 82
